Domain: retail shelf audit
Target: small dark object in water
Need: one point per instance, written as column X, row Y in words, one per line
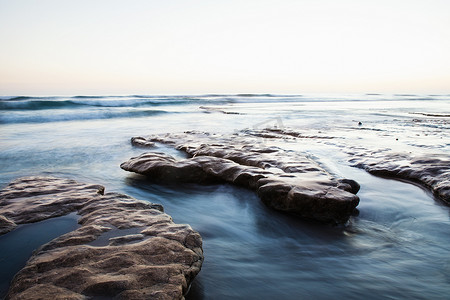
column 359, row 123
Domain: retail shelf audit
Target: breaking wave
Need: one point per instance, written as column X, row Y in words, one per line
column 71, row 115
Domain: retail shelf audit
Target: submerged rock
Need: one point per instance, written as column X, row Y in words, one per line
column 146, row 255
column 284, row 180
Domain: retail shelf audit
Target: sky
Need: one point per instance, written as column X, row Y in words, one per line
column 65, row 47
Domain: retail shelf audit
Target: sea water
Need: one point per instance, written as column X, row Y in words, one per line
column 398, row 246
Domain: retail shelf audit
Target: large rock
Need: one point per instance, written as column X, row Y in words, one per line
column 284, row 180
column 431, row 171
column 125, row 248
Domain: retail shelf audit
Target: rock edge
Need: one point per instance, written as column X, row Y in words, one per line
column 148, row 256
column 284, row 181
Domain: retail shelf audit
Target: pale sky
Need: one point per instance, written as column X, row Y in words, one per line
column 65, row 47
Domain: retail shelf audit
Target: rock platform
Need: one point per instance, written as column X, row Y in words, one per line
column 284, row 180
column 145, row 255
column 430, row 171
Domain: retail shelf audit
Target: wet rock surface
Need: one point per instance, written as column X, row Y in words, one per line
column 145, row 255
column 138, row 141
column 431, row 171
column 6, row 225
column 284, row 180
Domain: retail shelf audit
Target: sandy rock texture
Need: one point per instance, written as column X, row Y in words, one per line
column 284, row 180
column 124, row 248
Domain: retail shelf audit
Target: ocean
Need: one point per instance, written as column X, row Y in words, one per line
column 396, row 247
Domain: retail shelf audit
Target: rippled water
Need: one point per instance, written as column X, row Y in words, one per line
column 396, row 247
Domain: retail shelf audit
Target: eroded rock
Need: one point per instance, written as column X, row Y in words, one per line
column 431, row 171
column 284, row 180
column 147, row 256
column 6, row 225
column 139, row 141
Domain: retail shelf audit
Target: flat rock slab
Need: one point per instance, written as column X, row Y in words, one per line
column 142, row 253
column 284, row 180
column 431, row 171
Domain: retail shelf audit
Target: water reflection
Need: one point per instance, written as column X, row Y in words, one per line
column 17, row 246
